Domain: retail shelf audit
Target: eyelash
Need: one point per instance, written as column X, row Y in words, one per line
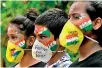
column 76, row 17
column 42, row 37
column 13, row 38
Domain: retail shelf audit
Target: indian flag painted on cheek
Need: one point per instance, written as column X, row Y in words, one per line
column 85, row 24
column 21, row 42
column 50, row 43
column 53, row 46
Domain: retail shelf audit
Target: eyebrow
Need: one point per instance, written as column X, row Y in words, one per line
column 12, row 33
column 74, row 14
column 43, row 34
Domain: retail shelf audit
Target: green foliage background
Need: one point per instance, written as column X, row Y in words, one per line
column 10, row 9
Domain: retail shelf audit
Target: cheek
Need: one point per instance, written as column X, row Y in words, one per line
column 73, row 21
column 85, row 24
column 51, row 39
column 20, row 39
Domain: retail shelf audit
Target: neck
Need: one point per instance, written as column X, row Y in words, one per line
column 28, row 60
column 56, row 56
column 87, row 49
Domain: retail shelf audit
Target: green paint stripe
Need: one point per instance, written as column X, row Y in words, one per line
column 54, row 47
column 46, row 32
column 24, row 46
column 88, row 28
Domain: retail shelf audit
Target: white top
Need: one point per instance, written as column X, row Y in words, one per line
column 63, row 62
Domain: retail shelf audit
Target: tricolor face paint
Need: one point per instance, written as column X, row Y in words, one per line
column 44, row 44
column 77, row 27
column 15, row 36
column 41, row 30
column 72, row 34
column 16, row 45
column 45, row 37
column 84, row 23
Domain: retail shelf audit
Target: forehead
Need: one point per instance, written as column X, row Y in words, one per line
column 12, row 28
column 39, row 28
column 78, row 7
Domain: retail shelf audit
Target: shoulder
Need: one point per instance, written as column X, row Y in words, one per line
column 97, row 62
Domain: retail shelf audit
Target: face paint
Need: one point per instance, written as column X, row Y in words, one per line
column 71, row 37
column 12, row 29
column 21, row 41
column 15, row 46
column 85, row 23
column 71, row 9
column 53, row 46
column 41, row 30
column 50, row 43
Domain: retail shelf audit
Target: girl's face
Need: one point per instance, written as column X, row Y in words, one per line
column 16, row 44
column 15, row 36
column 44, row 36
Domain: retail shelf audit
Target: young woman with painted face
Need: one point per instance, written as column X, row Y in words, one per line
column 20, row 40
column 86, row 21
column 46, row 47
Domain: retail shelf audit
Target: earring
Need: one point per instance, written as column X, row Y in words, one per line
column 31, row 44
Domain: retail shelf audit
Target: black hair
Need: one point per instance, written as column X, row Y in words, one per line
column 26, row 23
column 95, row 11
column 54, row 19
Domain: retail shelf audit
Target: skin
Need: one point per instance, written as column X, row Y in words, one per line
column 15, row 35
column 46, row 39
column 75, row 12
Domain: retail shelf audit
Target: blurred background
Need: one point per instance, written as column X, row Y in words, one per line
column 11, row 8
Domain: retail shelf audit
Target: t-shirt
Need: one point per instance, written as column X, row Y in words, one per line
column 63, row 62
column 94, row 60
column 40, row 64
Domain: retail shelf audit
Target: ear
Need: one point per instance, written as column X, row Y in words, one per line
column 57, row 41
column 97, row 23
column 31, row 40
